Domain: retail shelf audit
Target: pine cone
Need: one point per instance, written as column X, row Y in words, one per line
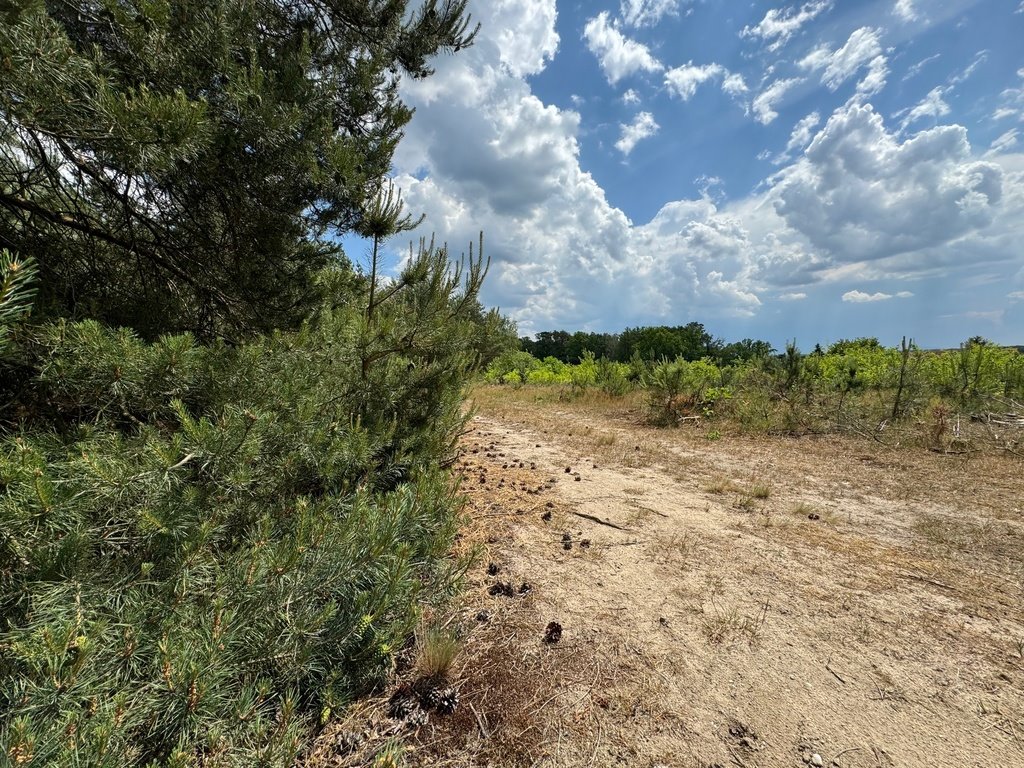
column 402, row 705
column 348, row 741
column 448, row 701
column 553, row 633
column 417, row 718
column 431, row 698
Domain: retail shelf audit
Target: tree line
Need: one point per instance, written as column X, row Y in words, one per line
column 687, row 342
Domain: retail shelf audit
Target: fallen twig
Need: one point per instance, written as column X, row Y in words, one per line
column 918, row 577
column 835, row 674
column 479, row 721
column 599, row 521
column 845, row 752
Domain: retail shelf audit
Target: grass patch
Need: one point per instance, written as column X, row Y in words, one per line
column 676, row 548
column 759, row 491
column 437, row 647
column 719, row 485
column 724, row 625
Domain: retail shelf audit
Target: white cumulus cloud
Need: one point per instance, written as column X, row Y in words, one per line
column 780, row 24
column 874, row 80
column 859, row 193
column 641, row 128
column 765, row 102
column 525, row 34
column 862, row 49
column 618, row 55
column 905, row 10
column 683, row 81
column 860, row 297
column 801, row 135
column 643, row 13
column 932, row 105
column 734, row 84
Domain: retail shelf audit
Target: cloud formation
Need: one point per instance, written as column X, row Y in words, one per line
column 858, row 193
column 780, row 24
column 860, row 297
column 1004, row 142
column 683, row 81
column 765, row 102
column 932, row 105
column 641, row 128
column 905, row 10
column 862, row 49
column 644, row 13
column 618, row 55
column 801, row 136
column 852, row 202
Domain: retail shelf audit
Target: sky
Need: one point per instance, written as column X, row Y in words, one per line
column 815, row 171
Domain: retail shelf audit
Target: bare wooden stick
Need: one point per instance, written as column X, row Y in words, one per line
column 599, row 521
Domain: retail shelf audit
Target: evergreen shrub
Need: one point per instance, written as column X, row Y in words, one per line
column 207, row 549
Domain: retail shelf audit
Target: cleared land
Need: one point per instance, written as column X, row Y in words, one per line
column 735, row 601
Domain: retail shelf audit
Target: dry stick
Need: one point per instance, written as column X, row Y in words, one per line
column 599, row 521
column 847, row 751
column 834, row 673
column 480, row 722
column 917, row 577
column 736, row 758
column 597, row 744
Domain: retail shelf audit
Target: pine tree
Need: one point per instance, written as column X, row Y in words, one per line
column 189, row 165
column 17, row 289
column 203, row 548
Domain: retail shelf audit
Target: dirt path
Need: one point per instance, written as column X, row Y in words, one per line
column 733, row 602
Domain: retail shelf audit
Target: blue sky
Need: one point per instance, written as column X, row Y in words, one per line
column 811, row 171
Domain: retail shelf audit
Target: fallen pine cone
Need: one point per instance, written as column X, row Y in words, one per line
column 553, row 633
column 502, row 588
column 447, row 702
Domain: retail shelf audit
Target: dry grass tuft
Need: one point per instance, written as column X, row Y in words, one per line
column 507, row 714
column 677, row 548
column 437, row 649
column 720, row 485
column 759, row 491
column 724, row 625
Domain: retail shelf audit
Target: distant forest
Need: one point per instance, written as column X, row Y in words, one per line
column 688, row 342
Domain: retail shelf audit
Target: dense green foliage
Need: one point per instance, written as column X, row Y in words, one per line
column 224, row 503
column 688, row 342
column 17, row 289
column 205, row 547
column 857, row 384
column 187, row 165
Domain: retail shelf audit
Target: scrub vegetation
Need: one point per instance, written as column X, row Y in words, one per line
column 951, row 400
column 224, row 499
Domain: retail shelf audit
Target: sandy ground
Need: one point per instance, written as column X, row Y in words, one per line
column 731, row 601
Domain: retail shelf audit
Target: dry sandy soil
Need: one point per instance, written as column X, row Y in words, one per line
column 731, row 602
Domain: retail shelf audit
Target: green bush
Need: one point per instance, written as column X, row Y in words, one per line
column 857, row 385
column 205, row 549
column 613, row 378
column 679, row 389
